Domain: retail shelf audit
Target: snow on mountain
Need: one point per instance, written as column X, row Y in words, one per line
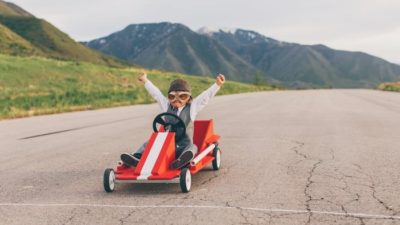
column 211, row 30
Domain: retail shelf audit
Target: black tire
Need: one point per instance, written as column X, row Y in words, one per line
column 109, row 180
column 216, row 163
column 185, row 180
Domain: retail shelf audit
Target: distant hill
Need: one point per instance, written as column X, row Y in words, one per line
column 174, row 47
column 308, row 65
column 242, row 54
column 23, row 34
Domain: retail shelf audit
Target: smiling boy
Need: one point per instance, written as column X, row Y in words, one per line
column 180, row 103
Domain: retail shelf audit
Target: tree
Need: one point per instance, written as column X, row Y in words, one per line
column 259, row 79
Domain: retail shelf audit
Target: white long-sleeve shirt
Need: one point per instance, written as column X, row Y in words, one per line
column 197, row 104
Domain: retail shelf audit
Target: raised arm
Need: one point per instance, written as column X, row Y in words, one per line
column 202, row 100
column 154, row 92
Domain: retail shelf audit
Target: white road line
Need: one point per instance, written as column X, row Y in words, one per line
column 293, row 211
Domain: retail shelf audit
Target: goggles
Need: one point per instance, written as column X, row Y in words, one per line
column 179, row 95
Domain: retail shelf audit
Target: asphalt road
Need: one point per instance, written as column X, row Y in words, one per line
column 289, row 157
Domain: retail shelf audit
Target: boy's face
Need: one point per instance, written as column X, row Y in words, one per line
column 178, row 98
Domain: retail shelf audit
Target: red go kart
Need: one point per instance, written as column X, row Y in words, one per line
column 154, row 165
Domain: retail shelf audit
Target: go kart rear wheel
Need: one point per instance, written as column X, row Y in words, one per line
column 109, row 180
column 216, row 163
column 185, row 180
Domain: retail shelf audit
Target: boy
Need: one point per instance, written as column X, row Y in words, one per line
column 180, row 103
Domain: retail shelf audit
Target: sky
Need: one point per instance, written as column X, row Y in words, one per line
column 371, row 26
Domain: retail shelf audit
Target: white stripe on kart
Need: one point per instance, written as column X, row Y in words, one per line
column 153, row 155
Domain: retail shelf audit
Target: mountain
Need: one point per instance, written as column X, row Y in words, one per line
column 308, row 65
column 174, row 47
column 23, row 34
column 242, row 54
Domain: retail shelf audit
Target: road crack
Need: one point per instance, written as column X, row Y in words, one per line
column 381, row 202
column 296, row 149
column 71, row 218
column 372, row 187
column 221, row 172
column 246, row 219
column 123, row 219
column 307, row 190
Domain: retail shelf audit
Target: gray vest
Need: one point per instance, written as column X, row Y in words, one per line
column 185, row 116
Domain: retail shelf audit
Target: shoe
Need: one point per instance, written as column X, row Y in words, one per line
column 182, row 160
column 130, row 160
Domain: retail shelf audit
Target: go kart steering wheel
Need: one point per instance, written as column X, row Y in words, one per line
column 171, row 122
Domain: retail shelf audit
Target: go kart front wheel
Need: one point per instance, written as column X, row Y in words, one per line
column 216, row 163
column 185, row 180
column 109, row 180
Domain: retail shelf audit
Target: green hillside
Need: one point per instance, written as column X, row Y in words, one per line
column 23, row 34
column 50, row 41
column 394, row 86
column 13, row 44
column 33, row 86
column 10, row 9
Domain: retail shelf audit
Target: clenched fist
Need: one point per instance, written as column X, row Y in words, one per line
column 142, row 77
column 220, row 80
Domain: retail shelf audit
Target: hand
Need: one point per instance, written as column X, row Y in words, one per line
column 143, row 77
column 220, row 80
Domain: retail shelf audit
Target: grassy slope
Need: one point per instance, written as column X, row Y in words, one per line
column 395, row 86
column 10, row 9
column 13, row 44
column 33, row 86
column 51, row 41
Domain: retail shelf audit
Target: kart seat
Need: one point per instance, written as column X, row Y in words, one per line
column 203, row 133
